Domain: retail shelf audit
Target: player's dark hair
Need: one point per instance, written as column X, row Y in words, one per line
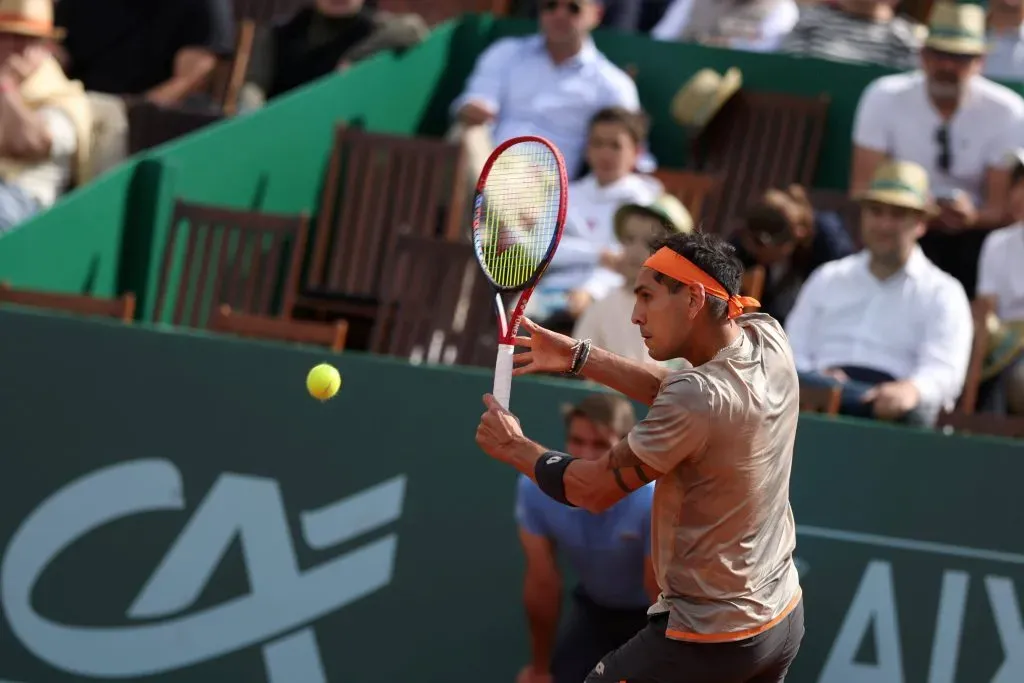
column 607, row 410
column 635, row 123
column 714, row 256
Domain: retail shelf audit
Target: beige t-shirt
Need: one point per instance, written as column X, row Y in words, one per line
column 722, row 529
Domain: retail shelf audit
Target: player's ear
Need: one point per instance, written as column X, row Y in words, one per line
column 698, row 297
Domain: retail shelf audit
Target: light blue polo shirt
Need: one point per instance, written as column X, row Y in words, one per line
column 606, row 551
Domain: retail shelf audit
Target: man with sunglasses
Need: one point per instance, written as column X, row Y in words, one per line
column 955, row 123
column 549, row 84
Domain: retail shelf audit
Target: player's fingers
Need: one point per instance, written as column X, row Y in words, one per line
column 524, row 341
column 522, row 358
column 529, row 324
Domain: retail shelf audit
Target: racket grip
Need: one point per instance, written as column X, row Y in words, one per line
column 503, row 374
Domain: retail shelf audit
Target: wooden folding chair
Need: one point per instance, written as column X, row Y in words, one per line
column 122, row 308
column 436, row 306
column 150, row 125
column 216, row 255
column 331, row 335
column 377, row 187
column 823, row 400
column 692, row 189
column 988, row 424
column 759, row 141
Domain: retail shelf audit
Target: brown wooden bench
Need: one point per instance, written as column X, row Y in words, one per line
column 121, row 308
column 696, row 191
column 330, row 335
column 988, row 424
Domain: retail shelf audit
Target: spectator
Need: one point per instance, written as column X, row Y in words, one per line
column 608, row 321
column 785, row 235
column 886, row 324
column 333, row 34
column 955, row 123
column 1005, row 59
column 610, row 553
column 550, row 84
column 575, row 279
column 623, row 15
column 163, row 51
column 45, row 122
column 859, row 31
column 753, row 25
column 1001, row 276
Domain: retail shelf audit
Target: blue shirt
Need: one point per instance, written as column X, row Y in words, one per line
column 532, row 95
column 607, row 551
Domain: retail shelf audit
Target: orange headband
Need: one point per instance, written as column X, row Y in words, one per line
column 678, row 267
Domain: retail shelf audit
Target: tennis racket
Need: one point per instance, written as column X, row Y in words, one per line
column 518, row 215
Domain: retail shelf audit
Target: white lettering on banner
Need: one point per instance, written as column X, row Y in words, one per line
column 875, row 604
column 282, row 599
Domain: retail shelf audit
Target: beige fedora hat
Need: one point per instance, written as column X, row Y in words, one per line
column 29, row 18
column 701, row 97
column 666, row 208
column 957, row 28
column 900, row 183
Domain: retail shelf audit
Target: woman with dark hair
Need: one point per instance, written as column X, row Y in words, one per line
column 783, row 233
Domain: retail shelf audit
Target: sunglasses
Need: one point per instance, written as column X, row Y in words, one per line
column 574, row 6
column 945, row 159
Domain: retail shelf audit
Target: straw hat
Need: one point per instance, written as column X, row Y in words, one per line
column 957, row 28
column 29, row 18
column 704, row 95
column 900, row 183
column 666, row 208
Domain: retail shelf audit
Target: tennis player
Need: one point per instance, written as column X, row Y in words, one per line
column 719, row 440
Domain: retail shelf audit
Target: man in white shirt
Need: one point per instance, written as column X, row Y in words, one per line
column 956, row 124
column 752, row 25
column 886, row 324
column 550, row 85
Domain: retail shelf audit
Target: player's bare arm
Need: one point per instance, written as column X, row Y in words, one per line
column 594, row 485
column 552, row 352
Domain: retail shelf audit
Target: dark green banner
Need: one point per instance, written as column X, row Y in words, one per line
column 175, row 508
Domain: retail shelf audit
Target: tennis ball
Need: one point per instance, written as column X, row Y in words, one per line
column 323, row 381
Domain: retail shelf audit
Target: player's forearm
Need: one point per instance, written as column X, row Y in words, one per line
column 638, row 381
column 542, row 612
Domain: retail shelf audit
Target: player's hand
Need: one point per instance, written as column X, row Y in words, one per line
column 498, row 429
column 530, row 675
column 548, row 351
column 892, row 400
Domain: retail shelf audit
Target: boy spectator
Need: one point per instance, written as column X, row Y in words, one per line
column 608, row 322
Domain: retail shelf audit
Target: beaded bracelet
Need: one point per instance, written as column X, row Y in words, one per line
column 580, row 358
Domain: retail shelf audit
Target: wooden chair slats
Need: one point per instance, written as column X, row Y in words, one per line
column 692, row 189
column 379, row 186
column 150, row 125
column 436, row 306
column 122, row 308
column 824, row 400
column 436, row 11
column 759, row 141
column 216, row 255
column 331, row 335
column 988, row 424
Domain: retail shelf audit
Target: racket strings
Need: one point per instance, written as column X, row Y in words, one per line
column 518, row 213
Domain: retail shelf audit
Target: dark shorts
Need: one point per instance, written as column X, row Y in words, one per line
column 590, row 632
column 650, row 657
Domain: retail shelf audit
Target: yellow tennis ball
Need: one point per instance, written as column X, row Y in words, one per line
column 323, row 381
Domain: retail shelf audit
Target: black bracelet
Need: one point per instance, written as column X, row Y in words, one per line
column 580, row 358
column 549, row 471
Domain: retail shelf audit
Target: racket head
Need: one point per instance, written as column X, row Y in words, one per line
column 519, row 212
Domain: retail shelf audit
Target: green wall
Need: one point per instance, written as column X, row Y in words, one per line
column 908, row 537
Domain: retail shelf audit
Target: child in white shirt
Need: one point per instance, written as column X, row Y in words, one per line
column 575, row 279
column 608, row 322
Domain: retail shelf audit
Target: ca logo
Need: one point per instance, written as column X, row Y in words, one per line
column 283, row 599
column 553, row 459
